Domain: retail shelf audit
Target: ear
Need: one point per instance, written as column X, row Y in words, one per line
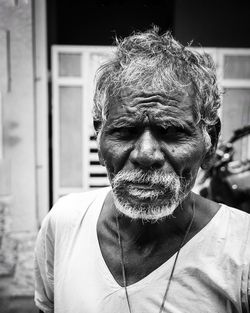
column 214, row 133
column 97, row 127
column 101, row 160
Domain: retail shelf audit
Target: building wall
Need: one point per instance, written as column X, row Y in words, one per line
column 18, row 216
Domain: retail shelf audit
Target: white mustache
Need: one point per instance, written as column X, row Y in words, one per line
column 153, row 179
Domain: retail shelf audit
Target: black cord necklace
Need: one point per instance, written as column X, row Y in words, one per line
column 173, row 268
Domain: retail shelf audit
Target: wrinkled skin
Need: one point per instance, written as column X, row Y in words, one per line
column 151, row 131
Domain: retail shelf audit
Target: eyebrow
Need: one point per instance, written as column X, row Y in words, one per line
column 125, row 122
column 171, row 121
column 164, row 122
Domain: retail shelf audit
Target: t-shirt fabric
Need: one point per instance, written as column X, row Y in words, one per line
column 212, row 274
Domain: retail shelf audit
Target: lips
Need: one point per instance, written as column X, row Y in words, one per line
column 144, row 191
column 145, row 186
column 142, row 186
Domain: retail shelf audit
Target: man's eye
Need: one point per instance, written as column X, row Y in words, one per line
column 124, row 132
column 171, row 132
column 176, row 130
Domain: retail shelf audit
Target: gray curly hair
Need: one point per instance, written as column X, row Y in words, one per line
column 149, row 61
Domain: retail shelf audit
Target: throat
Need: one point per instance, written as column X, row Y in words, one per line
column 134, row 242
column 140, row 238
column 117, row 247
column 150, row 235
column 147, row 243
column 145, row 237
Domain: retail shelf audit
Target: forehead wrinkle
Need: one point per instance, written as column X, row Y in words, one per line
column 176, row 93
column 127, row 113
column 125, row 121
column 172, row 107
column 159, row 99
column 171, row 111
column 133, row 97
column 153, row 101
column 162, row 111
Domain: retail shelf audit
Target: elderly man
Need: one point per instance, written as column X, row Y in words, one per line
column 148, row 244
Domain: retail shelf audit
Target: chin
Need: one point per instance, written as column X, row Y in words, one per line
column 150, row 195
column 149, row 211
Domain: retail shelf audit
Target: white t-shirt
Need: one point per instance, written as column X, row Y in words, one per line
column 212, row 274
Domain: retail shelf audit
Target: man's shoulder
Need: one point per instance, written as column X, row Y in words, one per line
column 237, row 215
column 223, row 214
column 70, row 208
column 236, row 224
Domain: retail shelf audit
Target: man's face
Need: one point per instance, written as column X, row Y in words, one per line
column 152, row 150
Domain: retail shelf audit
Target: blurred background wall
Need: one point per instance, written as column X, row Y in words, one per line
column 32, row 132
column 18, row 158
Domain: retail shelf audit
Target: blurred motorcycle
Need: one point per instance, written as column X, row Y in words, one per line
column 228, row 180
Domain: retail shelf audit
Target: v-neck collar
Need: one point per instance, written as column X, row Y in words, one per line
column 164, row 267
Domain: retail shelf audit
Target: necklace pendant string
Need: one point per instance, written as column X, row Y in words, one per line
column 122, row 264
column 173, row 268
column 176, row 257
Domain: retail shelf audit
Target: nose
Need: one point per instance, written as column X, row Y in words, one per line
column 147, row 152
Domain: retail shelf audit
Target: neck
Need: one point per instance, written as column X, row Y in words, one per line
column 143, row 233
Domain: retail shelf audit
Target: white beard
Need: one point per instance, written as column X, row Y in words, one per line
column 150, row 195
